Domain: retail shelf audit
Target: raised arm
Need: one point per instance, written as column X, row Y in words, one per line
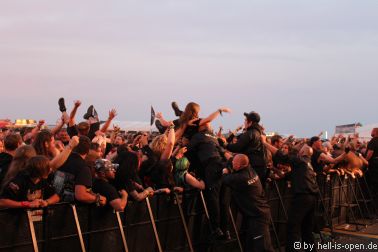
column 59, row 160
column 270, row 147
column 163, row 122
column 112, row 114
column 73, row 113
column 214, row 115
column 170, row 144
column 58, row 126
column 35, row 130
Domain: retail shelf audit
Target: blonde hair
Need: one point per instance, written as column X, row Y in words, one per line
column 158, row 144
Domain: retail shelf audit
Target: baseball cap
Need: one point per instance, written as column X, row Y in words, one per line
column 252, row 116
column 102, row 165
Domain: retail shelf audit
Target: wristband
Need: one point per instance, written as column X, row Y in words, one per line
column 97, row 199
column 220, row 112
column 25, row 204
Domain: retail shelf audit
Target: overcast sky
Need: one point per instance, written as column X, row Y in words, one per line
column 305, row 66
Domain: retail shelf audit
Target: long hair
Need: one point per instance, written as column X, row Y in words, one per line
column 191, row 111
column 128, row 167
column 40, row 141
column 19, row 163
column 38, row 167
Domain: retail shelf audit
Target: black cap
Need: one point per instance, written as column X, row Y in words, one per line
column 252, row 116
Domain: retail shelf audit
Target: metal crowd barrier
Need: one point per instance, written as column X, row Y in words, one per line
column 161, row 223
column 176, row 222
column 342, row 201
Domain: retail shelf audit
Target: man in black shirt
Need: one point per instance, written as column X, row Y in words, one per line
column 105, row 172
column 249, row 143
column 11, row 143
column 210, row 154
column 74, row 180
column 372, row 157
column 249, row 196
column 305, row 192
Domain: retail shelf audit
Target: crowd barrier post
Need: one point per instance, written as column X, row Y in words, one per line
column 349, row 181
column 153, row 224
column 204, row 205
column 122, row 231
column 184, row 223
column 235, row 229
column 328, row 218
column 364, row 200
column 370, row 195
column 77, row 223
column 32, row 231
column 281, row 199
column 348, row 205
column 278, row 243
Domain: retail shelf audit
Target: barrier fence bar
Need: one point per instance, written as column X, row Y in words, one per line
column 32, row 231
column 79, row 233
column 204, row 205
column 184, row 222
column 123, row 236
column 236, row 229
column 153, row 225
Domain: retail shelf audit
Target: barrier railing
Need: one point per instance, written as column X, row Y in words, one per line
column 169, row 222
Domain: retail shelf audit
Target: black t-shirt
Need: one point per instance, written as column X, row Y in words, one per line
column 126, row 184
column 206, row 146
column 248, row 193
column 21, row 188
column 155, row 173
column 280, row 158
column 5, row 161
column 316, row 163
column 303, row 177
column 373, row 146
column 73, row 172
column 105, row 189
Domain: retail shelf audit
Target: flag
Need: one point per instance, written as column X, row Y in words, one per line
column 152, row 116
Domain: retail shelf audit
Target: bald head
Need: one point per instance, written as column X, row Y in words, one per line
column 374, row 132
column 306, row 151
column 240, row 161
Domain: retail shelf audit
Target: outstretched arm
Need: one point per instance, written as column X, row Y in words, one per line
column 270, row 147
column 214, row 115
column 112, row 114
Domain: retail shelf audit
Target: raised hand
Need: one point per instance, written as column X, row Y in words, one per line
column 112, row 114
column 77, row 103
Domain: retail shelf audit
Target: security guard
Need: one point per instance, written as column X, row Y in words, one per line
column 249, row 197
column 211, row 156
column 249, row 143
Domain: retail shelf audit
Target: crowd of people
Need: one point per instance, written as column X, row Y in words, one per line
column 92, row 163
